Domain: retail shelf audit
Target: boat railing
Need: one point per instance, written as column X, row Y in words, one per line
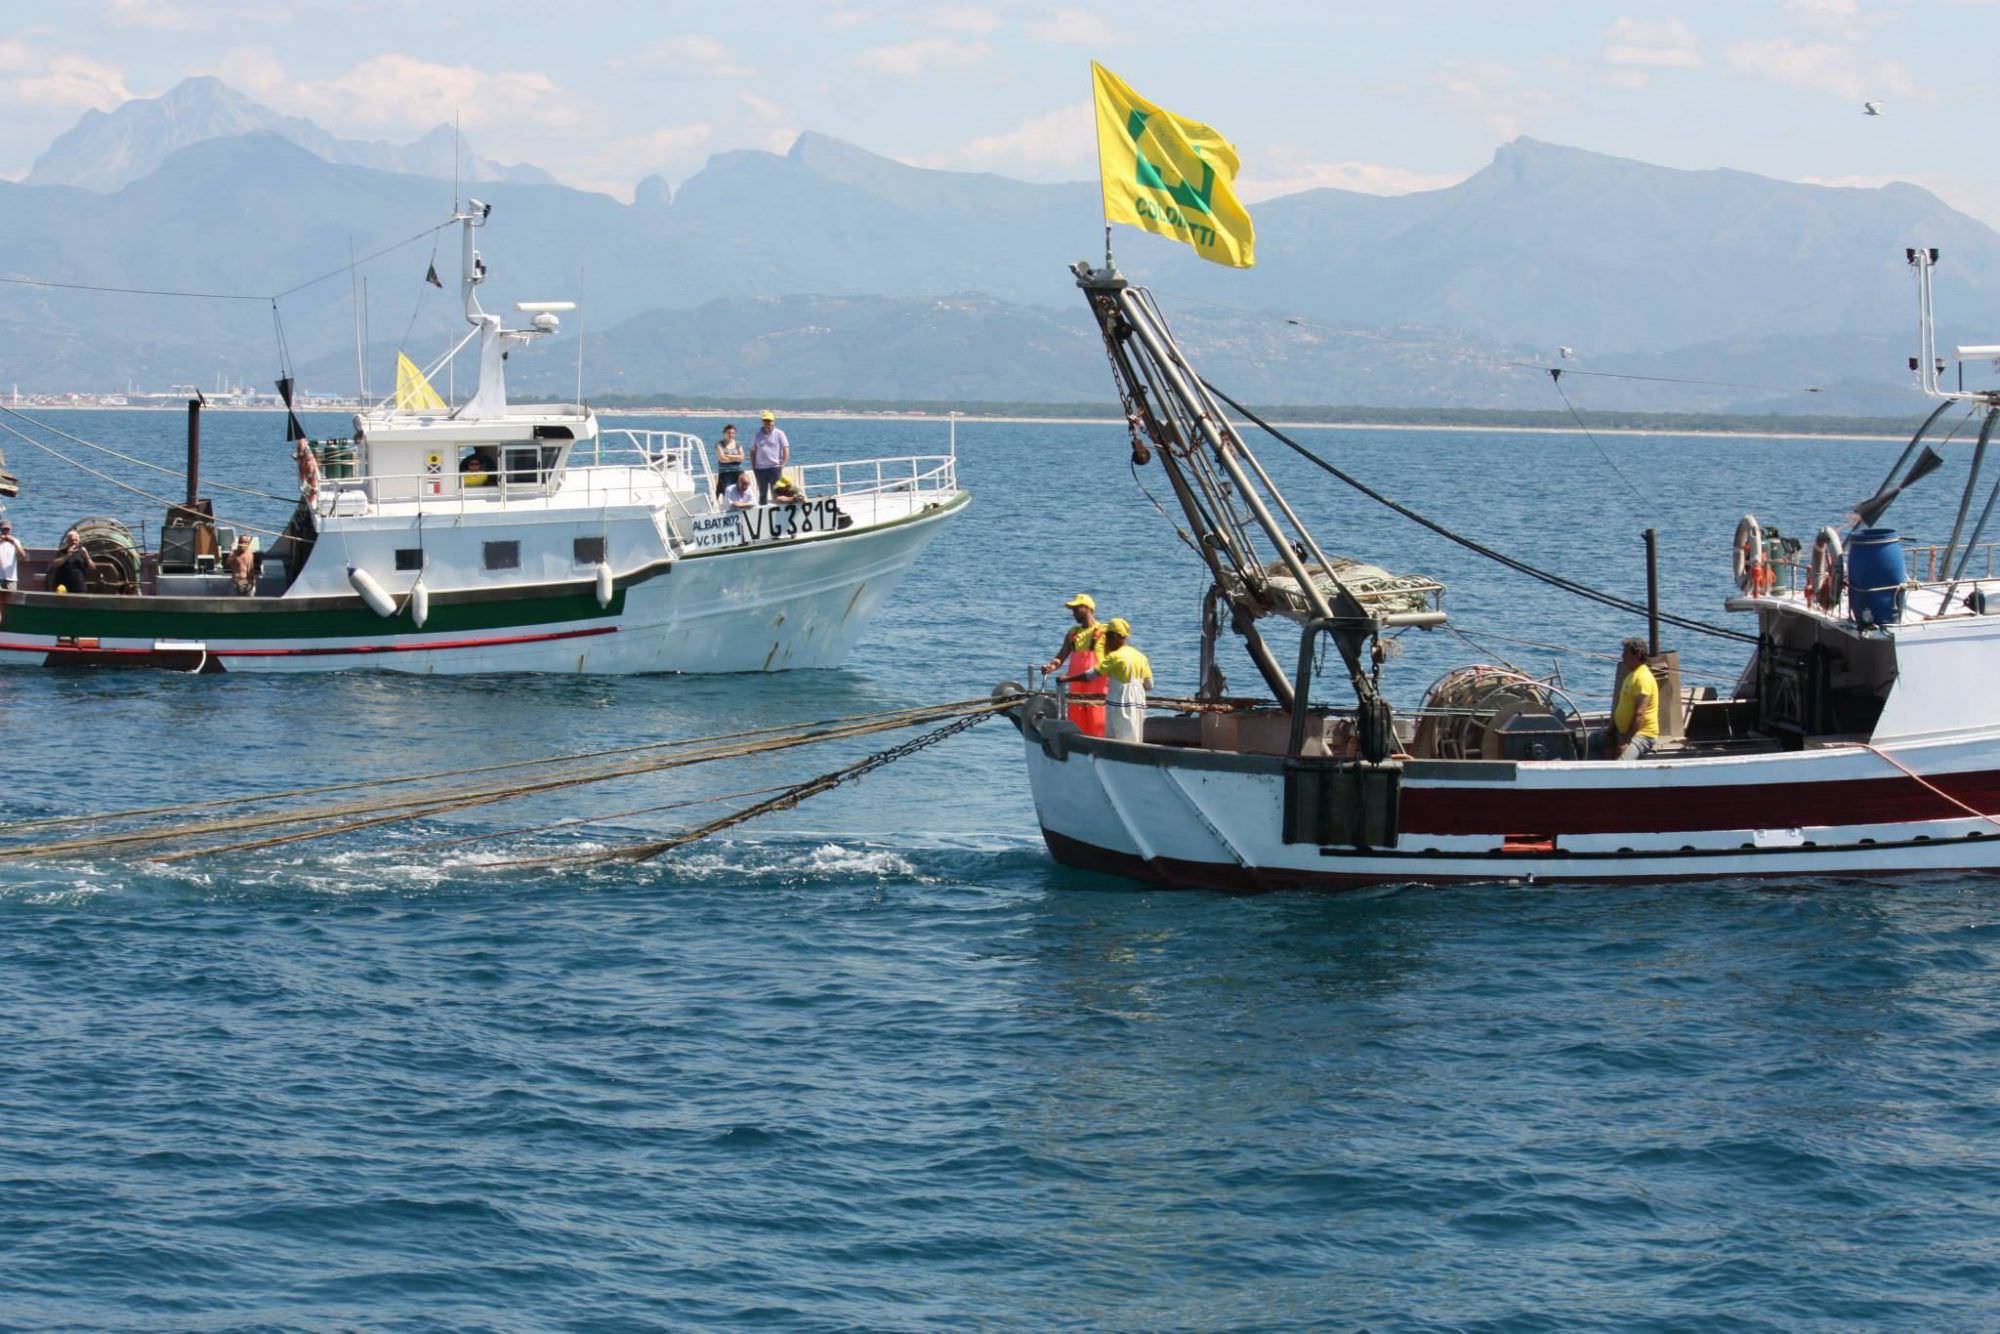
column 919, row 474
column 1925, row 561
column 666, row 452
column 1933, row 566
column 670, row 452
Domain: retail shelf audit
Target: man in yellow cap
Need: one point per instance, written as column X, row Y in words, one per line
column 770, row 452
column 1080, row 647
column 1130, row 677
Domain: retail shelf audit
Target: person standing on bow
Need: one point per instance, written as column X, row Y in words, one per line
column 1635, row 718
column 728, row 459
column 770, row 452
column 1130, row 677
column 1076, row 660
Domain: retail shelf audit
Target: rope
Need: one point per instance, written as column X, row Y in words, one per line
column 459, row 802
column 129, row 458
column 1929, row 786
column 788, row 798
column 136, row 291
column 1497, row 361
column 572, row 757
column 1555, row 379
column 585, row 820
column 229, row 296
column 121, row 485
column 1562, row 582
column 562, row 773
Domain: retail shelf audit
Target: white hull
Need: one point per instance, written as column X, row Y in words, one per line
column 790, row 606
column 1189, row 818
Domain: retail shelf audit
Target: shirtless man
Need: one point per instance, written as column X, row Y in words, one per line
column 308, row 462
column 241, row 563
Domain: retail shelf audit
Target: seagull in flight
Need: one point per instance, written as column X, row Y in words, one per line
column 1871, row 108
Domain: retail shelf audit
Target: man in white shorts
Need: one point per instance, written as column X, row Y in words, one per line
column 12, row 553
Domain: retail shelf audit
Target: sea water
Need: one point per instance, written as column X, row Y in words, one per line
column 878, row 1063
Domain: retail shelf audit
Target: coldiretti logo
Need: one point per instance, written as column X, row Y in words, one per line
column 1149, row 175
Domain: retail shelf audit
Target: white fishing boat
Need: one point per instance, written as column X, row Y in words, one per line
column 499, row 537
column 1861, row 740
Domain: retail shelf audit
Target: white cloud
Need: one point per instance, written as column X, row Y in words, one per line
column 57, row 85
column 1823, row 66
column 1638, row 44
column 1494, row 92
column 1072, row 27
column 398, row 94
column 971, row 21
column 759, row 106
column 1368, row 178
column 692, row 54
column 908, row 60
column 1058, row 145
column 156, row 16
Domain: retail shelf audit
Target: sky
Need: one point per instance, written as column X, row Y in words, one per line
column 1381, row 97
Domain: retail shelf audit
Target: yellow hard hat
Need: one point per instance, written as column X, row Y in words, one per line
column 1082, row 600
column 768, row 416
column 1120, row 626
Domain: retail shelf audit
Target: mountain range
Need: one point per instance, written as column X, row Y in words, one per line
column 105, row 150
column 830, row 270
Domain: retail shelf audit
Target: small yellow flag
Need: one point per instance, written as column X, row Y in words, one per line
column 1170, row 176
column 413, row 391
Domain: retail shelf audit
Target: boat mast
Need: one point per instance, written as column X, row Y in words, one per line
column 1212, row 471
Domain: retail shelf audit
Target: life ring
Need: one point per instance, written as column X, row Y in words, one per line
column 1753, row 571
column 1826, row 576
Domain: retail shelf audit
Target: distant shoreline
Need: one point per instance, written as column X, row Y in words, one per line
column 1023, row 419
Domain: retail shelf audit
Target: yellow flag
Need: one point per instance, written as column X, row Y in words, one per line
column 1170, row 176
column 413, row 391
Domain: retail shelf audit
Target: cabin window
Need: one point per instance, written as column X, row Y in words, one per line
column 503, row 555
column 588, row 550
column 409, row 558
column 524, row 466
column 554, row 433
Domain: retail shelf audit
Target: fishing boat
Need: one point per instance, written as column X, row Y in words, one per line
column 1863, row 737
column 497, row 537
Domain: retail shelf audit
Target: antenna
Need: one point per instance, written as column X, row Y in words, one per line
column 360, row 361
column 454, row 161
column 364, row 332
column 579, row 337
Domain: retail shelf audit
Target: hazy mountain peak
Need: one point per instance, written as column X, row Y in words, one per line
column 106, row 150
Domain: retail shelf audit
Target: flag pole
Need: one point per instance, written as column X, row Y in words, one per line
column 1097, row 117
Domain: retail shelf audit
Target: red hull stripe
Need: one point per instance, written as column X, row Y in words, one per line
column 59, row 653
column 1494, row 811
column 1422, row 869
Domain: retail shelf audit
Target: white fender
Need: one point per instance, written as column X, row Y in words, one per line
column 603, row 584
column 371, row 592
column 420, row 603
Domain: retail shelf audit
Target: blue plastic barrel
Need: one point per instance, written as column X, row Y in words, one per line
column 1874, row 575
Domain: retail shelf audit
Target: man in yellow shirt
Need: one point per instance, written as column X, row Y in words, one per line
column 1635, row 718
column 1130, row 676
